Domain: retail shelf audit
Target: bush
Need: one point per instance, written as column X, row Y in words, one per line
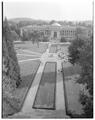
column 81, row 52
column 63, row 39
column 45, row 39
column 74, row 50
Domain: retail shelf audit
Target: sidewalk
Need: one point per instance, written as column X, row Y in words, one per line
column 27, row 106
column 60, row 101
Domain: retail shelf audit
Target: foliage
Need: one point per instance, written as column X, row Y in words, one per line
column 11, row 71
column 52, row 21
column 87, row 102
column 81, row 52
column 86, row 61
column 25, row 36
column 63, row 39
column 9, row 52
column 15, row 36
column 36, row 37
column 74, row 50
column 21, row 22
column 45, row 39
column 16, row 29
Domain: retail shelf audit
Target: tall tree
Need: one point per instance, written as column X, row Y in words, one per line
column 11, row 71
column 81, row 52
column 74, row 50
column 35, row 36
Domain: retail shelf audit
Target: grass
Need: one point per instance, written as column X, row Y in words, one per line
column 72, row 70
column 28, row 71
column 21, row 57
column 32, row 47
column 72, row 90
column 45, row 98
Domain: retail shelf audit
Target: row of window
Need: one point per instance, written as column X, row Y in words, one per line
column 67, row 32
column 62, row 32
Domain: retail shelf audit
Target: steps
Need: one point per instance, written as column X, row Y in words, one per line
column 41, row 114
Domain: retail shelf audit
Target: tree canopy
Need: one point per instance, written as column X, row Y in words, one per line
column 81, row 52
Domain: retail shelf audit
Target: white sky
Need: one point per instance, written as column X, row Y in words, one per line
column 50, row 9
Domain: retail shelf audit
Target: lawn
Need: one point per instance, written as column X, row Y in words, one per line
column 28, row 71
column 45, row 97
column 72, row 90
column 32, row 47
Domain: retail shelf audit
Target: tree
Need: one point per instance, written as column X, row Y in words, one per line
column 15, row 36
column 7, row 35
column 25, row 36
column 81, row 52
column 15, row 28
column 45, row 39
column 74, row 50
column 35, row 37
column 11, row 72
column 52, row 21
column 63, row 39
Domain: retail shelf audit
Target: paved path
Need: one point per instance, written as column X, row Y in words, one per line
column 60, row 101
column 27, row 107
column 20, row 61
column 29, row 55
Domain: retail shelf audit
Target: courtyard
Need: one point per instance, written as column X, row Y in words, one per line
column 44, row 91
column 47, row 59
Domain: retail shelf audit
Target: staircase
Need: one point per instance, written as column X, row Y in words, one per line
column 38, row 113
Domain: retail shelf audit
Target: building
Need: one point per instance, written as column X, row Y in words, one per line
column 56, row 31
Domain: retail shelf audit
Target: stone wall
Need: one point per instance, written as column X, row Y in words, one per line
column 10, row 73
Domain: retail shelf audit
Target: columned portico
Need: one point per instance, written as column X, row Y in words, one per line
column 55, row 35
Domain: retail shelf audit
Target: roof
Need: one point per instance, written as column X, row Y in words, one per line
column 56, row 24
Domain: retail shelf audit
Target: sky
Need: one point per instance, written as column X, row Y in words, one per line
column 73, row 10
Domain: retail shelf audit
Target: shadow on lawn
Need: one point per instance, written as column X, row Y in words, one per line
column 27, row 80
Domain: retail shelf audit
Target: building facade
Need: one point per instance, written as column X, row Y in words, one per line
column 55, row 31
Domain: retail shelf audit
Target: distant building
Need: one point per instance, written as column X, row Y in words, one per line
column 56, row 31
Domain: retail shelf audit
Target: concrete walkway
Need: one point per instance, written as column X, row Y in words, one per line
column 20, row 61
column 60, row 101
column 27, row 106
column 28, row 55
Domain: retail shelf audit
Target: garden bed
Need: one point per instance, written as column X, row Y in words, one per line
column 45, row 97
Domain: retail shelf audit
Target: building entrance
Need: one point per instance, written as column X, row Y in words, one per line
column 55, row 34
